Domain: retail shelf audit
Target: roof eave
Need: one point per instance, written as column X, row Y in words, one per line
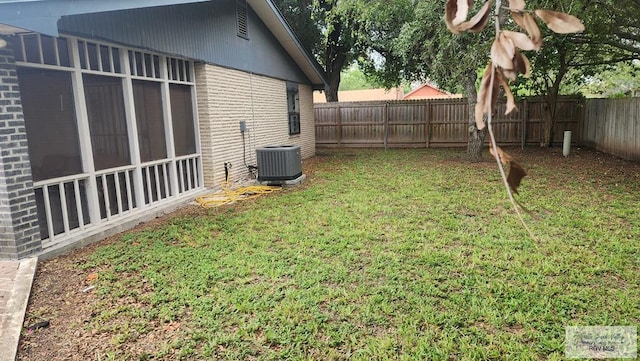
column 42, row 15
column 273, row 19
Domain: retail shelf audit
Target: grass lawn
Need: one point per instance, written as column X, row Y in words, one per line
column 380, row 255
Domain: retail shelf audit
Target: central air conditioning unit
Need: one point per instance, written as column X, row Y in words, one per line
column 279, row 163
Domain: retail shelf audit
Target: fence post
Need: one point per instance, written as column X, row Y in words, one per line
column 427, row 125
column 339, row 126
column 580, row 105
column 386, row 125
column 525, row 115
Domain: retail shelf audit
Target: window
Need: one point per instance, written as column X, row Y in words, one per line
column 31, row 48
column 107, row 121
column 98, row 57
column 49, row 113
column 293, row 103
column 182, row 115
column 241, row 19
column 41, row 49
column 148, row 100
column 54, row 148
column 144, row 64
column 179, row 70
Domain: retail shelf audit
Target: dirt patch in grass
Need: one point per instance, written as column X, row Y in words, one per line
column 63, row 294
column 82, row 324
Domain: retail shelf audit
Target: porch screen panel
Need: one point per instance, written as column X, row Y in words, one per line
column 107, row 121
column 151, row 135
column 183, row 123
column 52, row 133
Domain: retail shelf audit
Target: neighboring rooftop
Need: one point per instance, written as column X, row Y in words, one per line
column 429, row 91
column 362, row 95
column 425, row 91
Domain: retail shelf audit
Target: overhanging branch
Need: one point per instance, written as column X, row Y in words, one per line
column 605, row 62
column 626, row 47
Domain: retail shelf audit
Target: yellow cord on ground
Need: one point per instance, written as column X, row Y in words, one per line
column 228, row 196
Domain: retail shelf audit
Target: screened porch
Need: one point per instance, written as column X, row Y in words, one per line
column 112, row 131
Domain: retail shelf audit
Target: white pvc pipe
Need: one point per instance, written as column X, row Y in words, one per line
column 566, row 146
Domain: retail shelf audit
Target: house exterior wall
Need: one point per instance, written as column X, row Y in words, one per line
column 204, row 31
column 19, row 231
column 226, row 97
column 425, row 91
column 237, row 79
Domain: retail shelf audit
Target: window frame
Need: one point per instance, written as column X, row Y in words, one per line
column 46, row 163
column 293, row 108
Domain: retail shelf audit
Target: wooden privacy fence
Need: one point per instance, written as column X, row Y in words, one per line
column 435, row 123
column 613, row 126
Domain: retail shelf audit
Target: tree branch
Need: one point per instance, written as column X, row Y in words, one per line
column 625, row 47
column 492, row 137
column 628, row 35
column 607, row 62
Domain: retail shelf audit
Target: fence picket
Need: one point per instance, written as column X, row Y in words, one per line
column 612, row 126
column 434, row 123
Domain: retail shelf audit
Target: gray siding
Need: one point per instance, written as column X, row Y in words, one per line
column 201, row 31
column 41, row 16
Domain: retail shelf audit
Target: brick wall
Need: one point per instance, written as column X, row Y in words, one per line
column 226, row 97
column 19, row 232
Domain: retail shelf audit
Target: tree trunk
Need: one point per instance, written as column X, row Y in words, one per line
column 476, row 137
column 336, row 55
column 331, row 91
column 551, row 100
column 549, row 120
column 548, row 124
